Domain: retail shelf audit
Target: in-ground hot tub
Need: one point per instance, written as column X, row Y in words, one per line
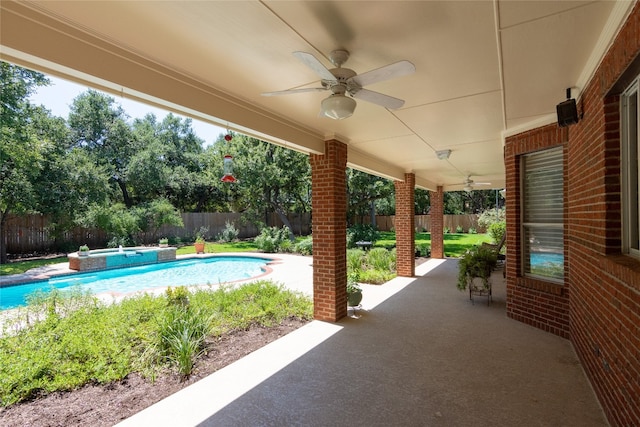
column 102, row 259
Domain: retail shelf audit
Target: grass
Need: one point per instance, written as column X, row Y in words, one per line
column 455, row 244
column 79, row 340
column 18, row 267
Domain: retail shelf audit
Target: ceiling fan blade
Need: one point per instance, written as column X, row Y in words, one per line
column 379, row 99
column 397, row 69
column 313, row 63
column 292, row 91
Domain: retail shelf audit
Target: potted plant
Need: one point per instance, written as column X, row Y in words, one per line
column 164, row 242
column 354, row 291
column 478, row 262
column 83, row 250
column 200, row 239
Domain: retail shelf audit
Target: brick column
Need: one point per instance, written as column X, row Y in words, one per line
column 405, row 226
column 437, row 223
column 329, row 206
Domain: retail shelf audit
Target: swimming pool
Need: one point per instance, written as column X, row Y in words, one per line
column 542, row 258
column 194, row 271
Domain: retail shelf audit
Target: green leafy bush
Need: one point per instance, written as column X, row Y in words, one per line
column 491, row 216
column 381, row 259
column 376, row 277
column 355, row 257
column 271, row 239
column 424, row 250
column 305, row 247
column 61, row 340
column 459, row 229
column 497, row 230
column 476, row 262
column 229, row 234
column 472, row 230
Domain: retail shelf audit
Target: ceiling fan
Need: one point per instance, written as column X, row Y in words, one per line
column 342, row 81
column 469, row 183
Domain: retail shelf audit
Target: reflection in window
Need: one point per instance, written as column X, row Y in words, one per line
column 543, row 214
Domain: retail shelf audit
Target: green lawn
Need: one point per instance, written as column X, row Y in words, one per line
column 455, row 244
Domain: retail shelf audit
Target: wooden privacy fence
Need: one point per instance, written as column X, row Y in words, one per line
column 423, row 222
column 32, row 233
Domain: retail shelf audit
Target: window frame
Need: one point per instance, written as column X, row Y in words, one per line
column 526, row 226
column 629, row 160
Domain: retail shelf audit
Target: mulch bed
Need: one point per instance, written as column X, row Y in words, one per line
column 107, row 404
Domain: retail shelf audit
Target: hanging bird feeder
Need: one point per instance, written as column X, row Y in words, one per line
column 227, row 169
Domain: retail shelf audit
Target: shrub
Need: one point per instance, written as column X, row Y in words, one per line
column 305, row 247
column 446, row 230
column 459, row 229
column 491, row 216
column 497, row 230
column 271, row 238
column 354, row 259
column 380, row 259
column 376, row 277
column 362, row 232
column 424, row 250
column 229, row 234
column 472, row 231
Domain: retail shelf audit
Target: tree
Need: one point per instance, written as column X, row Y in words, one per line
column 21, row 153
column 365, row 192
column 271, row 179
column 99, row 126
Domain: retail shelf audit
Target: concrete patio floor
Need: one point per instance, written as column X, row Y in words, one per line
column 418, row 353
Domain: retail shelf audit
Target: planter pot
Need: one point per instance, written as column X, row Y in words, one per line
column 354, row 299
column 199, row 247
column 83, row 253
column 164, row 245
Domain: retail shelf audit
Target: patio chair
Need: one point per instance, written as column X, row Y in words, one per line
column 502, row 258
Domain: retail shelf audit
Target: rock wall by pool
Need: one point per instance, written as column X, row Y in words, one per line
column 102, row 259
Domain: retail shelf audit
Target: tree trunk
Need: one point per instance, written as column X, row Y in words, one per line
column 125, row 194
column 286, row 222
column 3, row 237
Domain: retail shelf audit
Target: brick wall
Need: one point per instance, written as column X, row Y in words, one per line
column 538, row 303
column 603, row 305
column 605, row 285
column 437, row 230
column 405, row 226
column 329, row 204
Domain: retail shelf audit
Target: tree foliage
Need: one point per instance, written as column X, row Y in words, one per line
column 99, row 167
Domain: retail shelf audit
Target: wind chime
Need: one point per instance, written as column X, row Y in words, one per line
column 227, row 166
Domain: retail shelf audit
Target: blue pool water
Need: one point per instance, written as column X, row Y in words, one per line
column 542, row 258
column 125, row 280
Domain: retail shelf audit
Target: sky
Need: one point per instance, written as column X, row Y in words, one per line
column 59, row 96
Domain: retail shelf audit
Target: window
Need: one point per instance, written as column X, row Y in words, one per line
column 629, row 156
column 543, row 215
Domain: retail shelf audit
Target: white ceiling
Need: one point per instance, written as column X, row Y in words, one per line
column 484, row 69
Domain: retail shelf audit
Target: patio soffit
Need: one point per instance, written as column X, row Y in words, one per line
column 484, row 69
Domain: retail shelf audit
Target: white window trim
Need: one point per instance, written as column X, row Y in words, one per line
column 630, row 208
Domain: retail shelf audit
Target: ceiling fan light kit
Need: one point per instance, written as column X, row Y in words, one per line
column 337, row 107
column 342, row 81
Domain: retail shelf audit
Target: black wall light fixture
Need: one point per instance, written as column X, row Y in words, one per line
column 567, row 111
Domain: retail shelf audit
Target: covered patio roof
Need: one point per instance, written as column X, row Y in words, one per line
column 484, row 69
